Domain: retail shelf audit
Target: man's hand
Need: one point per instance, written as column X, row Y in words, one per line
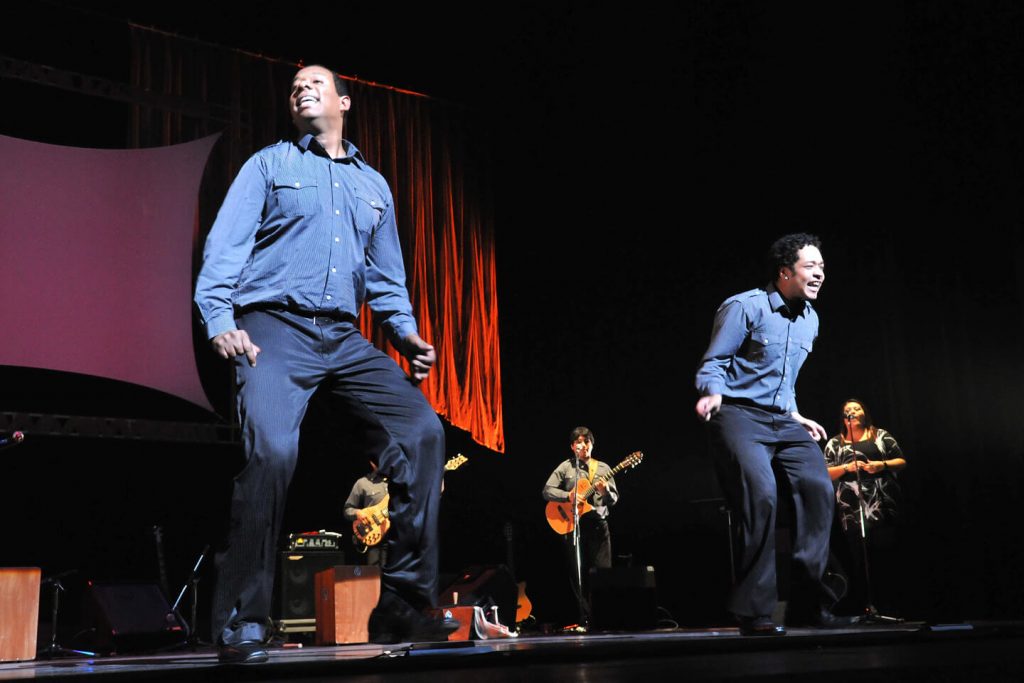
column 235, row 343
column 600, row 486
column 421, row 356
column 708, row 406
column 816, row 431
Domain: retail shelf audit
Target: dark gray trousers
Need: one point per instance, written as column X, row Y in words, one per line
column 746, row 441
column 298, row 356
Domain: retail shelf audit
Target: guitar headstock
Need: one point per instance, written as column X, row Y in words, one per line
column 632, row 460
column 455, row 463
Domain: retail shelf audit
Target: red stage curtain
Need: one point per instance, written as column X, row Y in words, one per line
column 425, row 149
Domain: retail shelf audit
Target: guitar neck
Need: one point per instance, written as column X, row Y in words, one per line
column 631, row 461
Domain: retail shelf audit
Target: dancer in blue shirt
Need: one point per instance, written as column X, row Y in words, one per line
column 747, row 382
column 306, row 234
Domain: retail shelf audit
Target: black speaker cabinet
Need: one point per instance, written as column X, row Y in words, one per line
column 482, row 586
column 131, row 617
column 296, row 582
column 623, row 598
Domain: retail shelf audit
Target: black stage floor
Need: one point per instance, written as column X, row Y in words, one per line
column 988, row 651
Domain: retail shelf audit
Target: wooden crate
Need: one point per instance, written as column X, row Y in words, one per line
column 19, row 613
column 346, row 595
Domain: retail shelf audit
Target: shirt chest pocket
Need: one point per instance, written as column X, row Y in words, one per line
column 369, row 209
column 766, row 346
column 293, row 196
column 803, row 346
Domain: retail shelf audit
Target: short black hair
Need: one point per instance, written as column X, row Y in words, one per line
column 340, row 86
column 585, row 433
column 783, row 252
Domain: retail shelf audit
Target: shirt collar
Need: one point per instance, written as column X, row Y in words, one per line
column 308, row 142
column 778, row 303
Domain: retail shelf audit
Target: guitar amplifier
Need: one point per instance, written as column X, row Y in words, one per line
column 296, row 582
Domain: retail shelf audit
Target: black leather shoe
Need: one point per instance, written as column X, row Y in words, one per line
column 824, row 618
column 243, row 652
column 394, row 620
column 760, row 626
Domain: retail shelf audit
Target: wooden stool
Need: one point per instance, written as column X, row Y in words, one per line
column 19, row 613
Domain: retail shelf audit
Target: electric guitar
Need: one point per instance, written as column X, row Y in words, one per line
column 377, row 521
column 560, row 515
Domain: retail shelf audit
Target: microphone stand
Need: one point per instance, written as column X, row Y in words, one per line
column 574, row 497
column 54, row 649
column 192, row 638
column 871, row 614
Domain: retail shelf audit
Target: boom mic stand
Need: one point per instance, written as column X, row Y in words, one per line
column 871, row 614
column 191, row 582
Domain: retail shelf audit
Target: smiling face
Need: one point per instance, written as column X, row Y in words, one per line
column 582, row 447
column 314, row 102
column 804, row 278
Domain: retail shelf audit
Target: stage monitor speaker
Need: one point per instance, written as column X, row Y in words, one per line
column 296, row 582
column 483, row 586
column 132, row 616
column 623, row 598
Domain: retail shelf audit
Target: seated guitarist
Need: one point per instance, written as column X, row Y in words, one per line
column 595, row 539
column 367, row 491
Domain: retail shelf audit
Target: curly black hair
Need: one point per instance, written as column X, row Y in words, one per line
column 783, row 252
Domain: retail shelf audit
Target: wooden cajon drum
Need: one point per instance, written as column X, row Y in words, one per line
column 19, row 613
column 346, row 595
column 465, row 615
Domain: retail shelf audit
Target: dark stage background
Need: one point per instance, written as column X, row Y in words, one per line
column 642, row 158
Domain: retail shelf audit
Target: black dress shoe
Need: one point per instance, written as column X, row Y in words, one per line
column 394, row 620
column 824, row 618
column 243, row 652
column 760, row 626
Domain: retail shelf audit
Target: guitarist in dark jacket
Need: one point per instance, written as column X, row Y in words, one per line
column 595, row 540
column 368, row 490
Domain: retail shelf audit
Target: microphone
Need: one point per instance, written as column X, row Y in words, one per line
column 11, row 441
column 848, row 416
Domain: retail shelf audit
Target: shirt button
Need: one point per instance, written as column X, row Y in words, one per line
column 334, row 270
column 337, row 185
column 373, row 203
column 298, row 184
column 328, row 297
column 337, row 239
column 337, row 212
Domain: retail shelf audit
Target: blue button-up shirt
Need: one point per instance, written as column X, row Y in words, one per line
column 758, row 346
column 301, row 231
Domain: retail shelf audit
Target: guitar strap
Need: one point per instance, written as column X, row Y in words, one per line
column 592, row 468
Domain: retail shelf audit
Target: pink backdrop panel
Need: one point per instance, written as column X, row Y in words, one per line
column 96, row 273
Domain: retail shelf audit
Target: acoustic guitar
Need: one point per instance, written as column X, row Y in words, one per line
column 371, row 531
column 560, row 516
